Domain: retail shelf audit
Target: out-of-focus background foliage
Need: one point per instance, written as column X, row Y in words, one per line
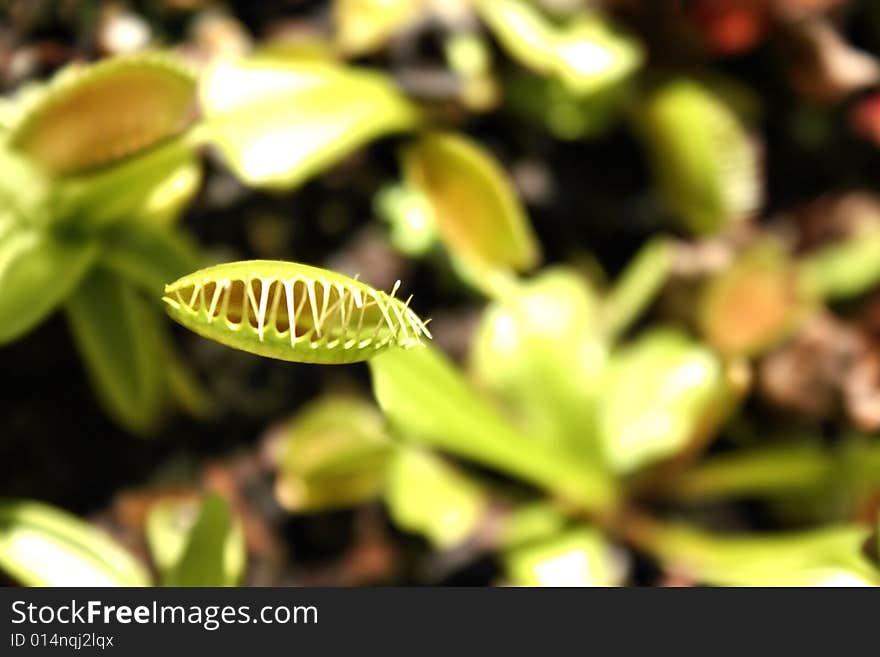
column 647, row 235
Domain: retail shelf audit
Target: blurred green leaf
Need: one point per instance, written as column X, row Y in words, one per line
column 765, row 471
column 89, row 116
column 659, row 393
column 186, row 391
column 844, row 269
column 25, row 191
column 409, row 214
column 475, row 207
column 363, row 26
column 531, row 523
column 637, row 286
column 564, row 114
column 832, row 556
column 193, row 546
column 37, row 272
column 425, row 495
column 152, row 186
column 115, row 333
column 334, row 453
column 148, row 255
column 585, row 53
column 539, row 350
column 753, row 304
column 426, row 399
column 43, row 546
column 576, row 557
column 704, row 162
column 278, row 122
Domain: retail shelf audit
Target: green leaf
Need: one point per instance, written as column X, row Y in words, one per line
column 364, row 26
column 90, row 116
column 25, row 191
column 767, row 471
column 148, row 255
column 185, row 389
column 333, row 454
column 475, row 207
column 427, row 496
column 637, row 286
column 832, row 556
column 538, row 349
column 192, row 546
column 278, row 122
column 37, row 272
column 531, row 523
column 792, row 468
column 115, row 333
column 427, row 400
column 566, row 115
column 409, row 215
column 659, row 394
column 587, row 54
column 844, row 269
column 704, row 162
column 43, row 546
column 577, row 557
column 153, row 186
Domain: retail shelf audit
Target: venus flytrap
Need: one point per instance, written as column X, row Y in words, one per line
column 706, row 166
column 766, row 294
column 91, row 116
column 98, row 165
column 472, row 202
column 755, row 303
column 293, row 312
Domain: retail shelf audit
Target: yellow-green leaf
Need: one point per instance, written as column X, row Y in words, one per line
column 703, row 159
column 846, row 268
column 475, row 207
column 540, row 351
column 577, row 557
column 149, row 255
column 427, row 400
column 89, row 116
column 832, row 556
column 37, row 272
column 430, row 497
column 278, row 122
column 115, row 333
column 43, row 546
column 659, row 393
column 587, row 54
column 153, row 186
column 334, row 453
column 196, row 544
column 363, row 26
